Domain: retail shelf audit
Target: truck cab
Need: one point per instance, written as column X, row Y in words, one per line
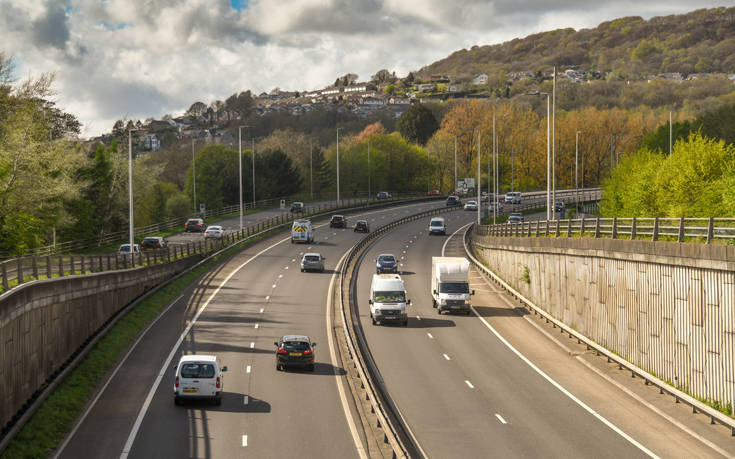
column 388, row 299
column 450, row 284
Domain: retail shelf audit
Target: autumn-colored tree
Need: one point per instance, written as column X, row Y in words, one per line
column 370, row 130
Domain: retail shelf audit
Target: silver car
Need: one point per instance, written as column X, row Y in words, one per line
column 312, row 262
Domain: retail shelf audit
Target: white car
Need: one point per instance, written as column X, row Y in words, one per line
column 199, row 377
column 216, row 232
column 312, row 262
column 513, row 197
column 125, row 249
column 470, row 205
column 491, row 207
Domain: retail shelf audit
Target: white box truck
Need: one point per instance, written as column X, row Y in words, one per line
column 388, row 299
column 450, row 284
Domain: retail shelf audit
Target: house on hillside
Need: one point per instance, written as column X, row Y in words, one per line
column 423, row 87
column 439, row 78
column 480, row 79
column 151, row 142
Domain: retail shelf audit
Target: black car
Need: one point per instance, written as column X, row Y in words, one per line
column 294, row 350
column 152, row 243
column 558, row 207
column 338, row 221
column 453, row 201
column 362, row 226
column 195, row 225
column 297, row 207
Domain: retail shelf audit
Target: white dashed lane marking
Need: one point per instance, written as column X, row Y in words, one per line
column 430, row 335
column 246, row 400
column 469, row 384
column 500, row 418
column 262, row 310
column 446, row 357
column 257, row 325
column 252, row 345
column 244, row 440
column 273, row 286
column 268, row 298
column 247, row 370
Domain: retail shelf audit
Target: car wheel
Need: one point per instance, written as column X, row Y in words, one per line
column 311, row 367
column 405, row 324
column 302, row 270
column 439, row 311
column 278, row 367
column 218, row 401
column 177, row 400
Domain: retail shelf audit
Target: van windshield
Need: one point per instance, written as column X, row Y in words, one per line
column 197, row 370
column 454, row 287
column 437, row 223
column 390, row 297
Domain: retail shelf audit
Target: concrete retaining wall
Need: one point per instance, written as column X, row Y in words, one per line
column 42, row 323
column 667, row 307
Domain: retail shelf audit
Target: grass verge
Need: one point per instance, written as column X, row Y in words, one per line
column 45, row 431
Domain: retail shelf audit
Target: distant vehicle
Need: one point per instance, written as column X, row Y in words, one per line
column 125, row 249
column 515, row 217
column 437, row 226
column 152, row 243
column 513, row 197
column 199, row 377
column 450, row 284
column 453, row 201
column 302, row 231
column 491, row 207
column 338, row 221
column 558, row 206
column 384, row 195
column 388, row 299
column 297, row 207
column 432, row 193
column 215, row 232
column 312, row 262
column 386, row 263
column 195, row 225
column 362, row 226
column 294, row 350
column 470, row 205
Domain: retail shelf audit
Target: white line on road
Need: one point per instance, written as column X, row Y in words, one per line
column 252, row 345
column 267, row 298
column 257, row 325
column 280, row 276
column 430, row 336
column 446, row 357
column 247, row 370
column 273, row 286
column 469, row 384
column 500, row 418
column 244, row 440
column 246, row 400
column 418, row 317
column 262, row 310
column 293, row 260
column 286, row 267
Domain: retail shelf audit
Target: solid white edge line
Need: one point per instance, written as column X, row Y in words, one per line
column 333, row 356
column 500, row 418
column 109, row 379
column 551, row 380
column 149, row 398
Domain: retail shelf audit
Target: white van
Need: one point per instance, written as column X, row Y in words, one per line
column 388, row 299
column 437, row 226
column 513, row 197
column 199, row 377
column 302, row 231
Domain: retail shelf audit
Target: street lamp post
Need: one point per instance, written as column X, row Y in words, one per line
column 455, row 164
column 479, row 206
column 311, row 172
column 338, row 165
column 131, row 228
column 553, row 144
column 548, row 150
column 253, row 149
column 368, row 196
column 194, row 173
column 496, row 167
column 239, row 158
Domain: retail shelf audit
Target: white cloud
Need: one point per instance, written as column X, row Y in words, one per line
column 119, row 58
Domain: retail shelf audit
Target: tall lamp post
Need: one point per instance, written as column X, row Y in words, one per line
column 253, row 149
column 131, row 228
column 548, row 150
column 194, row 173
column 496, row 168
column 369, row 194
column 479, row 158
column 239, row 158
column 338, row 165
column 455, row 165
column 576, row 168
column 311, row 172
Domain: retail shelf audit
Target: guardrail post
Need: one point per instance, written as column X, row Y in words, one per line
column 168, row 254
column 72, row 271
column 633, row 229
column 581, row 228
column 655, row 229
column 557, row 228
column 48, row 267
column 83, row 268
column 615, row 228
column 5, row 275
column 597, row 228
column 34, row 265
column 681, row 229
column 547, row 228
column 20, row 271
column 569, row 227
column 61, row 265
column 710, row 230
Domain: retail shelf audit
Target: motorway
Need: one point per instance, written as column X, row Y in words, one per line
column 236, row 312
column 466, row 391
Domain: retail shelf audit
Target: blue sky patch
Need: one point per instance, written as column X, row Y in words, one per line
column 239, row 5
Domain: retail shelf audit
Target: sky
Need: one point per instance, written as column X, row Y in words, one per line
column 141, row 59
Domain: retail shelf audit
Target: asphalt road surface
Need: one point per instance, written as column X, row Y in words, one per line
column 465, row 393
column 236, row 312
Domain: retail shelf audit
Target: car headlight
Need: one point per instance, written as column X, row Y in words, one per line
column 443, row 302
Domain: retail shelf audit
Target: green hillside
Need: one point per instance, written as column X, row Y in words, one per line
column 702, row 41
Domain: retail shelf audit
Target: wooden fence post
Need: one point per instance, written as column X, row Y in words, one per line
column 581, row 228
column 633, row 229
column 569, row 227
column 655, row 229
column 5, row 275
column 597, row 228
column 49, row 270
column 681, row 229
column 83, row 268
column 710, row 230
column 547, row 228
column 557, row 228
column 61, row 266
column 34, row 265
column 615, row 228
column 538, row 224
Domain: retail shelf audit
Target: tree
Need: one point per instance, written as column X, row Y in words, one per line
column 370, row 130
column 417, row 124
column 197, row 109
column 383, row 76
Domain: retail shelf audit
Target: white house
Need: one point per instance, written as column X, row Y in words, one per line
column 480, row 79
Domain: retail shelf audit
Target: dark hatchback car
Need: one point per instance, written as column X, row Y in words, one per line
column 361, row 226
column 338, row 221
column 386, row 263
column 195, row 225
column 152, row 243
column 453, row 201
column 294, row 350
